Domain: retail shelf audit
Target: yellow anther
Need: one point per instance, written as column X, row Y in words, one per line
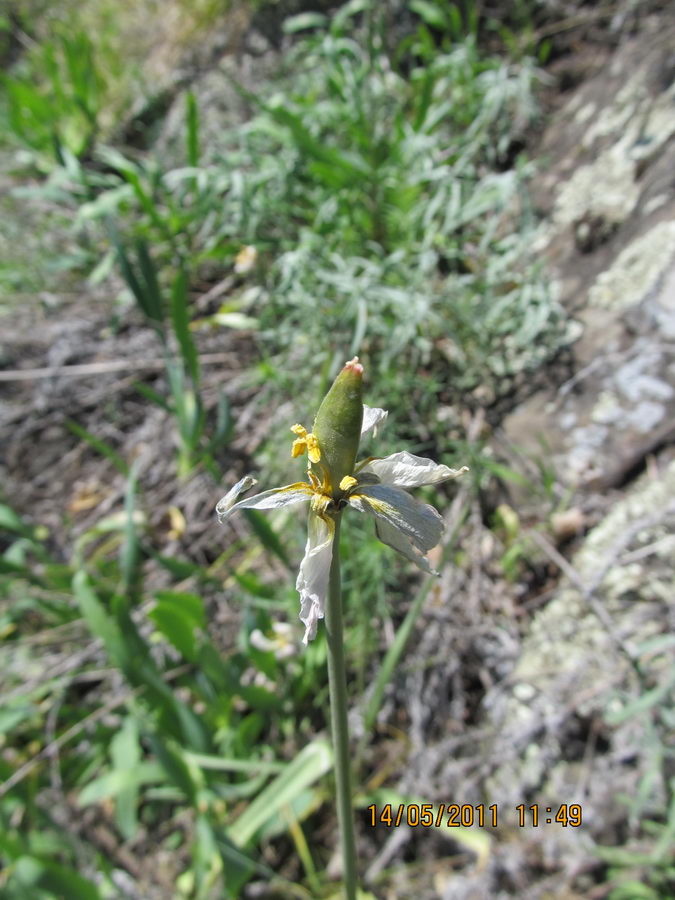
column 300, row 443
column 313, row 450
column 348, row 483
column 305, row 441
column 320, row 503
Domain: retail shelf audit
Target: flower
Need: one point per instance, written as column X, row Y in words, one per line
column 280, row 643
column 377, row 487
column 245, row 260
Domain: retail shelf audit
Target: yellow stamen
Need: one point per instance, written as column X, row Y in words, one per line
column 320, row 503
column 347, row 483
column 305, row 441
column 313, row 450
column 300, row 443
column 298, row 447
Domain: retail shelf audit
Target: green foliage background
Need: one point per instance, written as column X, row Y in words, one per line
column 380, row 181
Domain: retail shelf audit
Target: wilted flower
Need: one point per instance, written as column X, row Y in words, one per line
column 280, row 644
column 245, row 260
column 335, row 480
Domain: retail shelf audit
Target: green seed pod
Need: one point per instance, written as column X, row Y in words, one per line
column 337, row 426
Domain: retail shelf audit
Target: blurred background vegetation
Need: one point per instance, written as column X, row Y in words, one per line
column 232, row 219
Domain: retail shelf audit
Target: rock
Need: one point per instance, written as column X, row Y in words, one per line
column 562, row 724
column 610, row 239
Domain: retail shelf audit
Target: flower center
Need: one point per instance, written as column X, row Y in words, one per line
column 324, row 498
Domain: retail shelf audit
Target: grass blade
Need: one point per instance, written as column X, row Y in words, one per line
column 152, row 292
column 99, row 445
column 309, row 765
column 180, row 319
column 130, row 549
column 267, row 535
column 192, row 117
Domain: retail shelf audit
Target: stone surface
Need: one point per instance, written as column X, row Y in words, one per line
column 609, row 237
column 562, row 724
column 572, row 721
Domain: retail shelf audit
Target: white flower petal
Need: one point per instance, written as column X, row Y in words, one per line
column 314, row 573
column 418, row 521
column 227, row 502
column 398, row 541
column 261, row 642
column 281, row 644
column 284, row 496
column 405, row 470
column 372, row 417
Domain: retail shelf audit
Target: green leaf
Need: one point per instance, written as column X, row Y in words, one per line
column 504, row 472
column 152, row 292
column 181, row 568
column 119, row 781
column 260, row 698
column 348, row 165
column 128, row 272
column 147, row 203
column 7, row 567
column 99, row 445
column 224, row 424
column 238, row 867
column 178, row 627
column 303, row 21
column 180, row 318
column 342, row 16
column 207, row 865
column 186, row 777
column 424, row 99
column 190, row 605
column 250, row 582
column 130, row 549
column 106, row 204
column 33, row 872
column 192, row 121
column 309, row 765
column 221, row 763
column 633, row 890
column 153, row 396
column 432, row 14
column 125, row 753
column 645, row 702
column 103, row 269
column 11, row 716
column 11, row 521
column 178, row 718
column 267, row 535
column 100, row 623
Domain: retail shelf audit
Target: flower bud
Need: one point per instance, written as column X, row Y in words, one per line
column 337, row 425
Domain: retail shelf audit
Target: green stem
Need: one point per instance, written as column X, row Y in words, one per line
column 338, row 713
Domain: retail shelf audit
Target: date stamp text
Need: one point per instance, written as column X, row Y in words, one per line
column 465, row 815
